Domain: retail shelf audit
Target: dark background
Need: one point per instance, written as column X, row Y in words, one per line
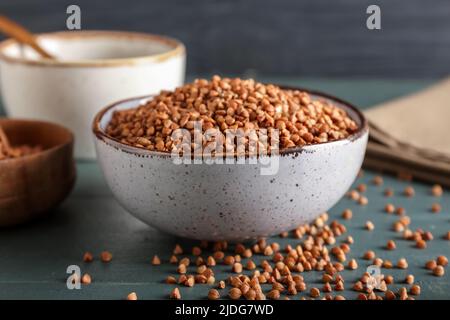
column 320, row 38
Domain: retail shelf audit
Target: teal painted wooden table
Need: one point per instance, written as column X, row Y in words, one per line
column 34, row 257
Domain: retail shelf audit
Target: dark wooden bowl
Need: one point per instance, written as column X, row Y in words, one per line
column 32, row 185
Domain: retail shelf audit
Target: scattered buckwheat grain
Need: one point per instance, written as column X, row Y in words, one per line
column 437, row 190
column 421, row 244
column 347, row 214
column 237, row 267
column 175, row 294
column 196, row 251
column 389, row 279
column 213, row 294
column 361, row 296
column 132, row 296
column 327, row 287
column 377, row 180
column 369, row 225
column 339, row 286
column 106, row 256
column 273, row 294
column 177, row 250
column 354, row 195
column 409, row 191
column 391, row 245
column 388, row 192
column 369, row 255
column 438, row 271
column 362, row 187
column 431, row 264
column 88, row 257
column 235, row 293
column 314, row 292
column 409, row 279
column 415, row 290
column 400, row 211
column 86, row 279
column 403, row 293
column 352, row 264
column 389, row 295
column 435, row 208
column 363, row 200
column 156, row 261
column 171, row 280
column 389, row 208
column 442, row 261
column 181, row 268
column 402, row 263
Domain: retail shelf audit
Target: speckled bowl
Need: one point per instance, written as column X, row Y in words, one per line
column 92, row 69
column 229, row 201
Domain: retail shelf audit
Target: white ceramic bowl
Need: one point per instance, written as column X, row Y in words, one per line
column 229, row 201
column 93, row 68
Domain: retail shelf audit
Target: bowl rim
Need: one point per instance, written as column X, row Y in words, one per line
column 177, row 49
column 101, row 135
column 55, row 148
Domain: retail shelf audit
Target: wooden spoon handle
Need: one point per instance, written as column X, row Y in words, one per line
column 13, row 30
column 4, row 142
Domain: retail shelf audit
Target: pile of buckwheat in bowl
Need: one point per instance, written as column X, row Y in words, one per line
column 231, row 104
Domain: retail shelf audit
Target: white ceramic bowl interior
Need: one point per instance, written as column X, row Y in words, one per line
column 229, row 201
column 93, row 68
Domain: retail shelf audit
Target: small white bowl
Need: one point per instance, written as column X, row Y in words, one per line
column 229, row 201
column 93, row 68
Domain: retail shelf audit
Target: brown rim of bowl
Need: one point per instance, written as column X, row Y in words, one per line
column 101, row 135
column 70, row 139
column 177, row 48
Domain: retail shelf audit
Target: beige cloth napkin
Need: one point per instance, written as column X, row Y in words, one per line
column 412, row 135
